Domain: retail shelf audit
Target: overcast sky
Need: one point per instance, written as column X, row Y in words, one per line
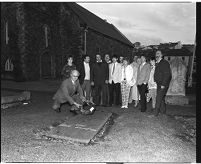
column 150, row 23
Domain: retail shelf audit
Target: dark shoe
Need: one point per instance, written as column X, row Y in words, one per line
column 156, row 113
column 74, row 112
column 58, row 110
column 163, row 112
column 152, row 109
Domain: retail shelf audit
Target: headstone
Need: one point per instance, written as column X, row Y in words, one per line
column 176, row 91
column 177, row 84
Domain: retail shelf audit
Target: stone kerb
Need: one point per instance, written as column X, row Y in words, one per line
column 9, row 101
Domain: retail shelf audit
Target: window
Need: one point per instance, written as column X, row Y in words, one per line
column 6, row 31
column 9, row 65
column 46, row 35
column 98, row 50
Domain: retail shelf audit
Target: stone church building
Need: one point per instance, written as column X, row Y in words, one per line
column 37, row 37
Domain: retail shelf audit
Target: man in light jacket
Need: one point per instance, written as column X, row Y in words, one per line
column 142, row 81
column 114, row 81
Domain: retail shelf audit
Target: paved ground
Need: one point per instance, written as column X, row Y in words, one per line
column 134, row 137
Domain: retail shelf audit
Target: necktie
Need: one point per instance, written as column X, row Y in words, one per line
column 141, row 67
column 113, row 69
column 124, row 73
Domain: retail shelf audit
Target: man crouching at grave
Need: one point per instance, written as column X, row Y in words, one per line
column 70, row 91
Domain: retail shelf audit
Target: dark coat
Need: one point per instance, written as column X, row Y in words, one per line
column 82, row 72
column 67, row 90
column 163, row 75
column 99, row 73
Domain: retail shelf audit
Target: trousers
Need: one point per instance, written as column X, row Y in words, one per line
column 160, row 99
column 142, row 91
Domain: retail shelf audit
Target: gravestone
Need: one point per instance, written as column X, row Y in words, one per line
column 80, row 128
column 10, row 99
column 176, row 91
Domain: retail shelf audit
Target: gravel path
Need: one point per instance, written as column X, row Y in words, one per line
column 134, row 137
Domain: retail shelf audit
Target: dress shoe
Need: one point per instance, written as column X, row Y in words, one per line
column 152, row 109
column 74, row 112
column 156, row 113
column 58, row 110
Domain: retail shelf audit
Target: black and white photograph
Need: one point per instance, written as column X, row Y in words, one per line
column 98, row 82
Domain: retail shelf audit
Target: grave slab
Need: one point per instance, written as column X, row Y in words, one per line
column 9, row 99
column 80, row 128
column 177, row 100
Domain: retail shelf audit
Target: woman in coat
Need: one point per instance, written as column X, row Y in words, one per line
column 68, row 68
column 134, row 94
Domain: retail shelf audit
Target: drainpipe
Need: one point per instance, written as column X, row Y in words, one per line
column 85, row 40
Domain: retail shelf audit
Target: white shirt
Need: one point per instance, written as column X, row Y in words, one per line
column 87, row 71
column 142, row 65
column 116, row 75
column 151, row 83
column 113, row 67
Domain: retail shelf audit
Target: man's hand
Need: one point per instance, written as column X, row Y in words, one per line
column 106, row 81
column 162, row 87
column 83, row 99
column 92, row 83
column 77, row 105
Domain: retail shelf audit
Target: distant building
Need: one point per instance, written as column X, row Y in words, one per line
column 37, row 37
column 170, row 45
column 171, row 51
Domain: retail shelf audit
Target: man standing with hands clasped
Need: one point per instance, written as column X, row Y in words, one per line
column 162, row 77
column 99, row 79
column 142, row 81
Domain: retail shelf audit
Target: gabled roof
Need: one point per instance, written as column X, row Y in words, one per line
column 190, row 47
column 97, row 24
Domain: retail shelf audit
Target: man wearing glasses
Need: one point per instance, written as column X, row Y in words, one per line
column 70, row 91
column 162, row 77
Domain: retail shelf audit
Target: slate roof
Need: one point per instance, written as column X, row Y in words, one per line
column 178, row 52
column 97, row 24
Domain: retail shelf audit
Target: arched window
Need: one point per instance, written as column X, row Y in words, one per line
column 9, row 65
column 46, row 31
column 6, row 31
column 98, row 50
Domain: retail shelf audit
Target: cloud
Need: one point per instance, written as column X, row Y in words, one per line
column 150, row 22
column 125, row 24
column 143, row 39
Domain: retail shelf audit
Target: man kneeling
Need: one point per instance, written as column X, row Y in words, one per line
column 70, row 91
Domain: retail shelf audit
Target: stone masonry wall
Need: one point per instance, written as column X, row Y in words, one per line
column 107, row 45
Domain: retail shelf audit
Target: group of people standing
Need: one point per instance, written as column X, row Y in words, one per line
column 117, row 82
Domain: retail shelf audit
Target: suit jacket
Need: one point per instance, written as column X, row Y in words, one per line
column 143, row 74
column 163, row 75
column 66, row 90
column 99, row 73
column 82, row 72
column 116, row 77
